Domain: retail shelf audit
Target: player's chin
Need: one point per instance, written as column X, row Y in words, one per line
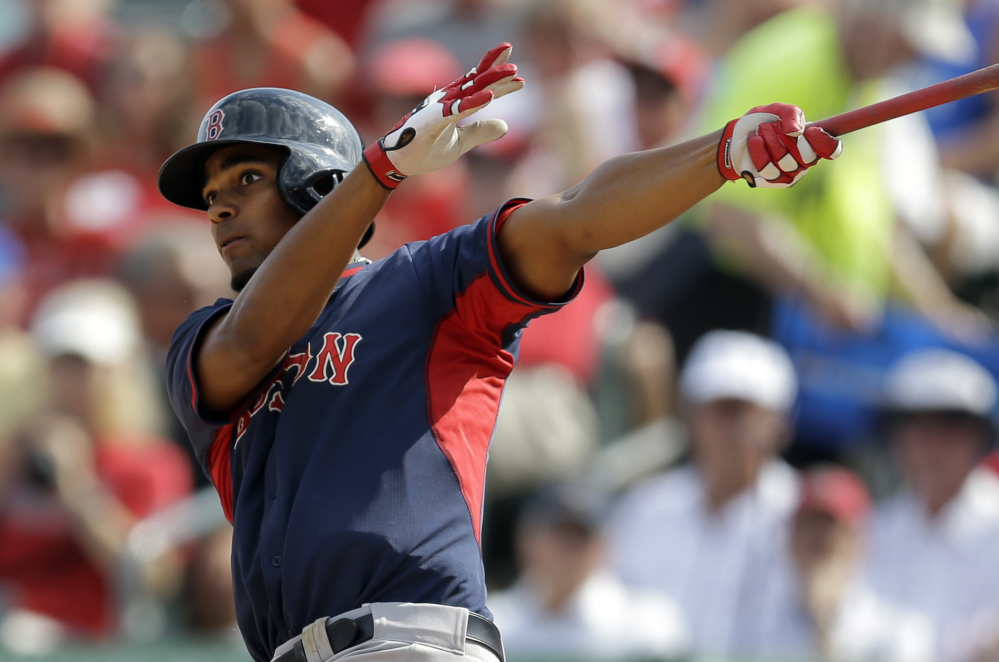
column 240, row 277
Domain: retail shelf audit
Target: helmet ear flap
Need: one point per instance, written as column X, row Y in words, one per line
column 319, row 186
column 326, row 182
column 367, row 235
column 298, row 178
column 305, row 197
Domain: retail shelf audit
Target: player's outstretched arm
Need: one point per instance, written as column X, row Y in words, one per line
column 545, row 242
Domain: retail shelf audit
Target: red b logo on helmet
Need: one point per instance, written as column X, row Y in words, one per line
column 214, row 127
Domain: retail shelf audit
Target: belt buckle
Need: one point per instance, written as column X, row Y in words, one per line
column 320, row 642
column 341, row 634
column 315, row 646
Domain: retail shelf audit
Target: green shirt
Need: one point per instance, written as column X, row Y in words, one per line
column 842, row 207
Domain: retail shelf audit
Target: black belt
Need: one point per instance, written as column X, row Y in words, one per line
column 344, row 633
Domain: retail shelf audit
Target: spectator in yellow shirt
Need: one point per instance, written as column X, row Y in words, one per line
column 834, row 239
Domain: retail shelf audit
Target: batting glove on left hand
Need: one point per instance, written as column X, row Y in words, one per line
column 771, row 147
column 429, row 138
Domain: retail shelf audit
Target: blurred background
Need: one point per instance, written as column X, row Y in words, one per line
column 764, row 432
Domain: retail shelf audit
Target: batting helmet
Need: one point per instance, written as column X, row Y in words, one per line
column 321, row 146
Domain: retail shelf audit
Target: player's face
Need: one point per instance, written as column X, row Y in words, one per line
column 249, row 217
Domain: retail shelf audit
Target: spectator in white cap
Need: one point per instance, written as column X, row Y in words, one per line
column 934, row 544
column 710, row 534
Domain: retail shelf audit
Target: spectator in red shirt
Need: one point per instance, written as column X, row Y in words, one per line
column 148, row 105
column 71, row 489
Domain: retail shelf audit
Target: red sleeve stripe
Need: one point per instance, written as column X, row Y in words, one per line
column 220, row 461
column 464, row 381
column 495, row 223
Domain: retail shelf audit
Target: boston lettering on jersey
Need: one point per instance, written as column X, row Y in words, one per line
column 331, row 365
column 355, row 472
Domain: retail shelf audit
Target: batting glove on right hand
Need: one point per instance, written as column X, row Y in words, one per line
column 429, row 138
column 771, row 147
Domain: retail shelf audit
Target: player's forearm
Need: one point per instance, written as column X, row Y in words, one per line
column 630, row 196
column 545, row 242
column 289, row 290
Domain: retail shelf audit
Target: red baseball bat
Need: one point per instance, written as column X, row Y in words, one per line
column 983, row 80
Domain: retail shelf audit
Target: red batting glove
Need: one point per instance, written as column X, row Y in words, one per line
column 429, row 138
column 771, row 147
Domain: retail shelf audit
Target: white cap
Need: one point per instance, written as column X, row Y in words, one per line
column 939, row 380
column 934, row 28
column 93, row 319
column 742, row 366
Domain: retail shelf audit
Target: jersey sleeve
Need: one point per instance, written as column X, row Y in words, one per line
column 466, row 260
column 202, row 428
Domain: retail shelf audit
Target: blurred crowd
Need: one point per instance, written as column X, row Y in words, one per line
column 766, row 431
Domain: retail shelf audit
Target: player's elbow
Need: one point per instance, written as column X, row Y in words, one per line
column 537, row 252
column 237, row 361
column 253, row 360
column 570, row 237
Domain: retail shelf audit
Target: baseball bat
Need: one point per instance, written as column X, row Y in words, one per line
column 983, row 80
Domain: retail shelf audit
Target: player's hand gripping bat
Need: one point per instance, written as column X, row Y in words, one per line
column 771, row 146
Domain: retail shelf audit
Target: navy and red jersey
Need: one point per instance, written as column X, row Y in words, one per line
column 355, row 472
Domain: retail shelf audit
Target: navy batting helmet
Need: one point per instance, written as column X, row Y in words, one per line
column 321, row 146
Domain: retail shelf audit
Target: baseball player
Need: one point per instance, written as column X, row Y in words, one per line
column 344, row 409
